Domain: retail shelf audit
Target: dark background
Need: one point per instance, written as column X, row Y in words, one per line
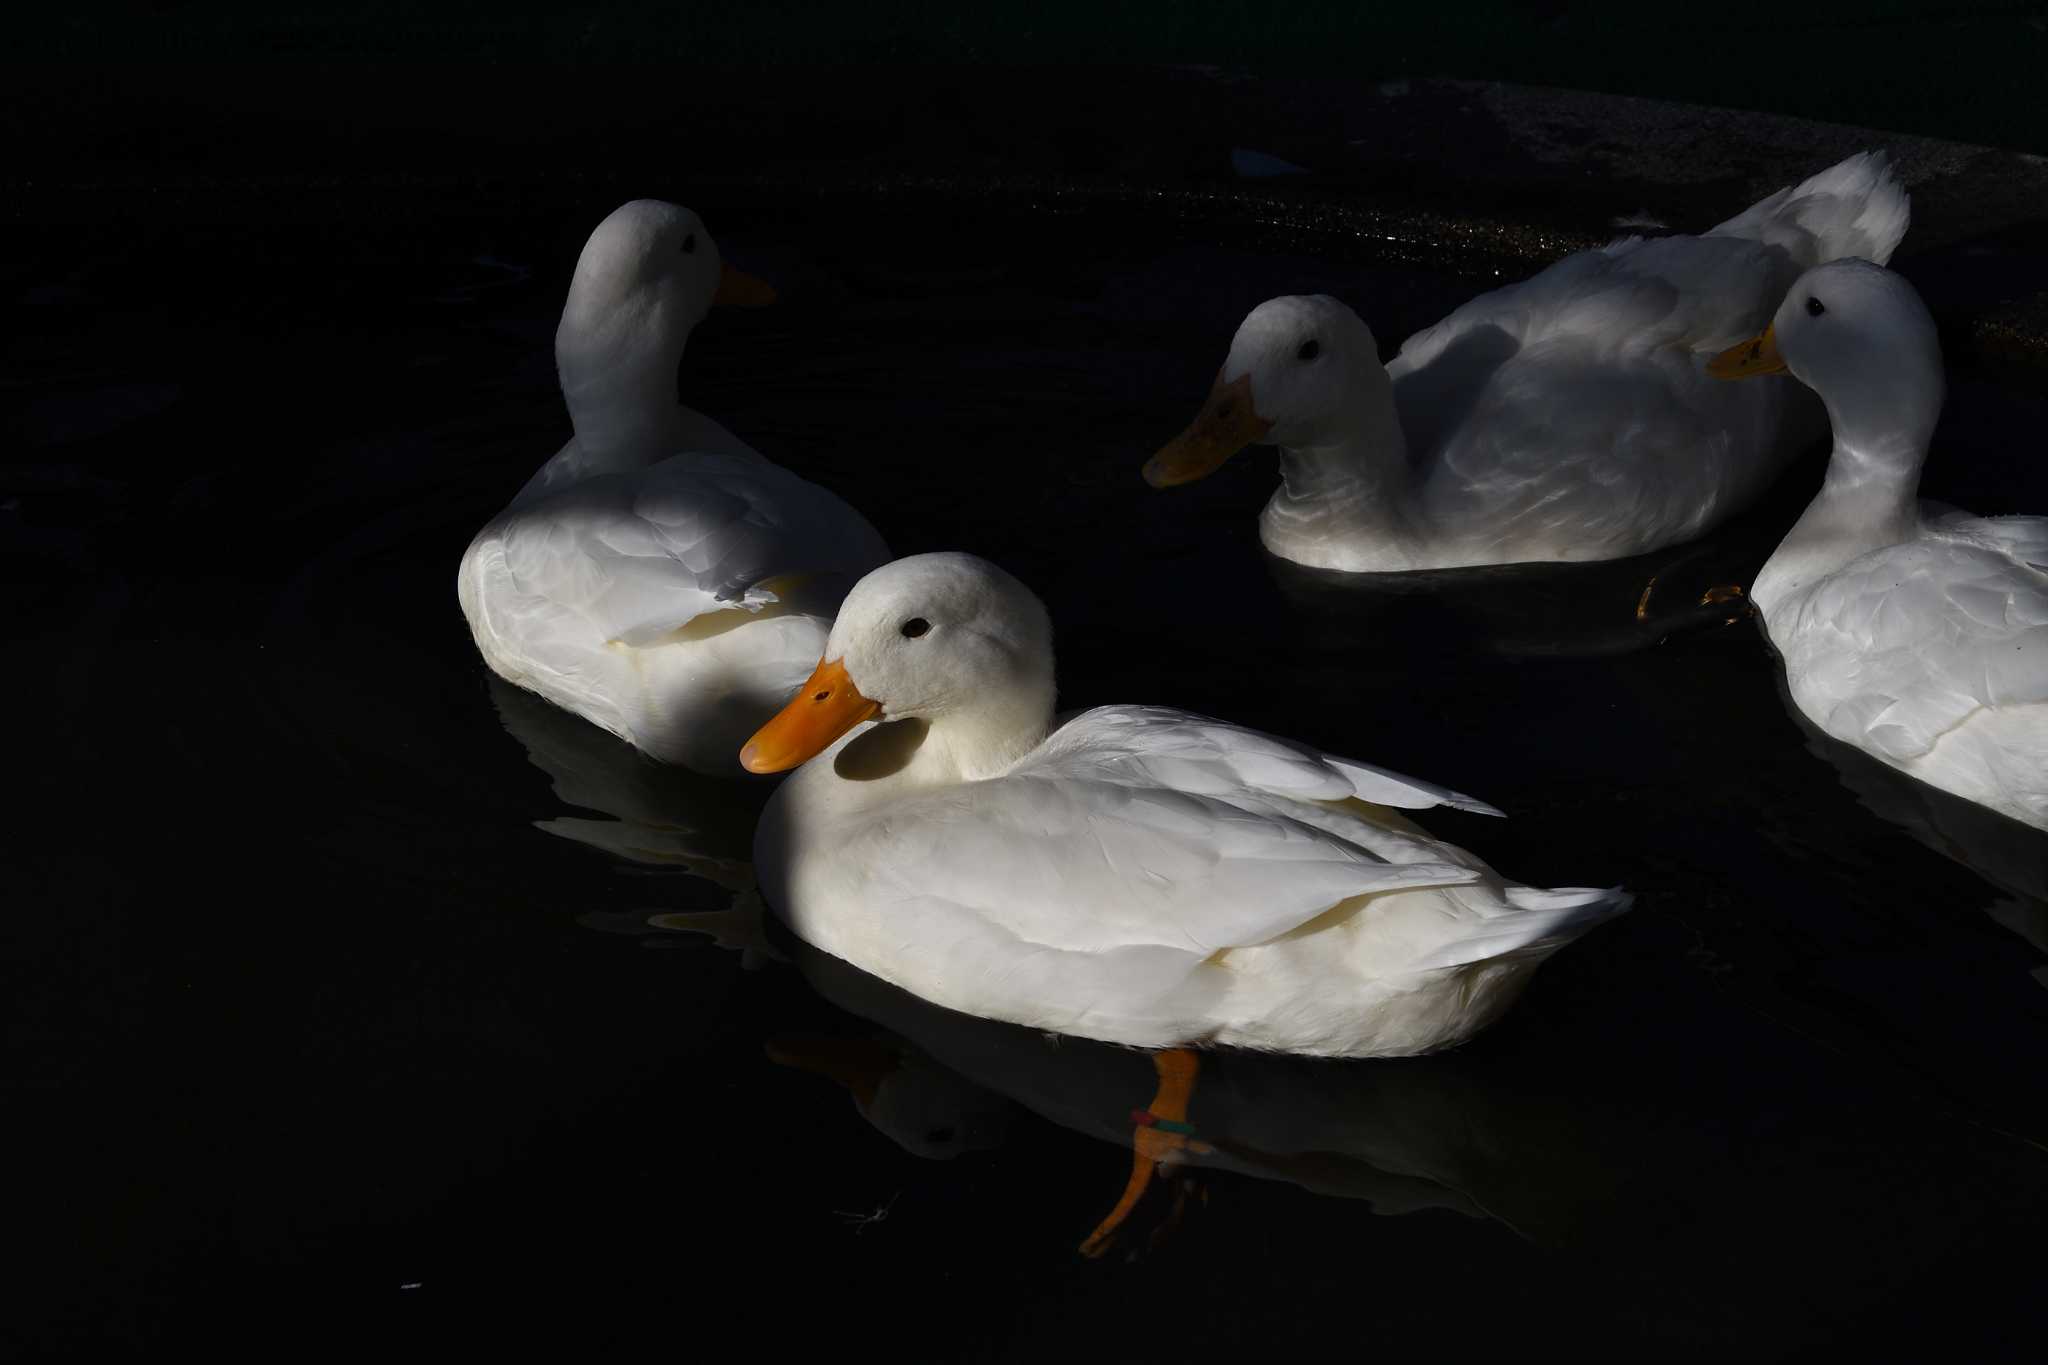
column 290, row 93
column 304, row 1009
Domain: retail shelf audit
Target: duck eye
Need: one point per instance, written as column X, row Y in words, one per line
column 1814, row 307
column 915, row 627
column 690, row 244
column 1310, row 349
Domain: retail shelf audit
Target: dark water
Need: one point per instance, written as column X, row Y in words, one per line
column 342, row 1013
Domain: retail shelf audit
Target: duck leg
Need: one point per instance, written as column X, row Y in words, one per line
column 1161, row 1136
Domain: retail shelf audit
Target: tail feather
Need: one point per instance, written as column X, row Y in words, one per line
column 1854, row 208
column 1538, row 921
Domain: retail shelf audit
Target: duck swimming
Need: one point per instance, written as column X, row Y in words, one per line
column 1564, row 418
column 1132, row 874
column 1915, row 632
column 658, row 577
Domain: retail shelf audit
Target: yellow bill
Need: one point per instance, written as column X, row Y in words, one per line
column 738, row 289
column 1227, row 423
column 827, row 707
column 1758, row 355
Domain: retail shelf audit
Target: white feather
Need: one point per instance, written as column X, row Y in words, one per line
column 1138, row 874
column 657, row 576
column 1916, row 633
column 1567, row 417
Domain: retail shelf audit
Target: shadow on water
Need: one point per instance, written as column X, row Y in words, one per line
column 2012, row 857
column 317, row 1013
column 1559, row 1131
column 1592, row 1124
column 660, row 816
column 1590, row 1127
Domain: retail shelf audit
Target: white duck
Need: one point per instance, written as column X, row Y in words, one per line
column 1137, row 875
column 657, row 577
column 1915, row 632
column 1563, row 418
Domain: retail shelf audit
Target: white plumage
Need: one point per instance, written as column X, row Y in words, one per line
column 657, row 576
column 1138, row 875
column 1915, row 632
column 1566, row 417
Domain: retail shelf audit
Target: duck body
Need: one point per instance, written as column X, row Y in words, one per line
column 1931, row 654
column 1564, row 418
column 1915, row 632
column 1135, row 874
column 657, row 576
column 675, row 605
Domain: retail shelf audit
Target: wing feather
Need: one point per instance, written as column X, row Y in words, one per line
column 642, row 553
column 1140, row 826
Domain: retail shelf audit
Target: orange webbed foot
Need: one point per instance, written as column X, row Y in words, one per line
column 1161, row 1138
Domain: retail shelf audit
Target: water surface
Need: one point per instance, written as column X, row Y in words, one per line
column 360, row 995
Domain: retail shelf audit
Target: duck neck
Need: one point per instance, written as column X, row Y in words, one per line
column 1360, row 477
column 1869, row 499
column 987, row 738
column 618, row 377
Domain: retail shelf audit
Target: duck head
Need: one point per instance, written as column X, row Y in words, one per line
column 645, row 279
column 945, row 638
column 651, row 258
column 1860, row 337
column 1297, row 370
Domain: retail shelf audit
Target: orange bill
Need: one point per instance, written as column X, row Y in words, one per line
column 738, row 289
column 828, row 706
column 1227, row 423
column 1758, row 355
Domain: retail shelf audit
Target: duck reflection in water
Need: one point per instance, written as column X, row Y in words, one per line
column 2011, row 857
column 1605, row 1131
column 1541, row 611
column 660, row 817
column 1401, row 1135
column 942, row 1084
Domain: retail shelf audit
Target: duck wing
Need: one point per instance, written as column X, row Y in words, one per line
column 1570, row 411
column 642, row 553
column 1083, row 889
column 1570, row 417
